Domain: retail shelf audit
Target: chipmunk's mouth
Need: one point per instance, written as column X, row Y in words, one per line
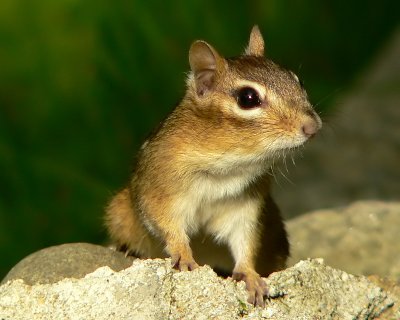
column 284, row 144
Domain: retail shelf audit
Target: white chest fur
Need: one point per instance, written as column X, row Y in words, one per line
column 210, row 194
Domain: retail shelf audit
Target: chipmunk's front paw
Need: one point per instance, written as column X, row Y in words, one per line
column 255, row 285
column 183, row 264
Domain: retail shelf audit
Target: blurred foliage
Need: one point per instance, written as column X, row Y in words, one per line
column 83, row 82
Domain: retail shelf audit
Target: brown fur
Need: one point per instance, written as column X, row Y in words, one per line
column 207, row 169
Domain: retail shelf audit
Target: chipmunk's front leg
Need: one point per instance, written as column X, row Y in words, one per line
column 177, row 246
column 237, row 224
column 172, row 223
column 244, row 246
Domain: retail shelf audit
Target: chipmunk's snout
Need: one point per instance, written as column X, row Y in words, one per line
column 311, row 126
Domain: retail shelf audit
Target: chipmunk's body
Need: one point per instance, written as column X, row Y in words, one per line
column 207, row 167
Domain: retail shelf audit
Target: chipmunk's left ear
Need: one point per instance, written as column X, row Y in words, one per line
column 256, row 43
column 206, row 65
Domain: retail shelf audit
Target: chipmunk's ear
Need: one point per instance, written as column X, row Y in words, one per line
column 206, row 64
column 256, row 43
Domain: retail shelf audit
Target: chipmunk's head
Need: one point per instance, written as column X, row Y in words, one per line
column 249, row 101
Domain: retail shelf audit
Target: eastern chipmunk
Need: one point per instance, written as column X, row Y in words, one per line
column 207, row 167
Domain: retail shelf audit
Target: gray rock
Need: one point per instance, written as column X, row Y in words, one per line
column 362, row 238
column 314, row 291
column 151, row 289
column 356, row 156
column 71, row 260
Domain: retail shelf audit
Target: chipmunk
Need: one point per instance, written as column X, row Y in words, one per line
column 208, row 167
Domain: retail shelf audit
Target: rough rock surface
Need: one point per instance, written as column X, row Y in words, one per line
column 362, row 238
column 393, row 287
column 71, row 260
column 151, row 289
column 356, row 156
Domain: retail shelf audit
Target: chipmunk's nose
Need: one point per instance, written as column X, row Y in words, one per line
column 312, row 123
column 310, row 127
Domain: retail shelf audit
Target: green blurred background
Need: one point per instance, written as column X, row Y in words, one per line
column 83, row 82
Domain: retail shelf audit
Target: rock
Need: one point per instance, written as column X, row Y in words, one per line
column 71, row 260
column 356, row 155
column 64, row 282
column 393, row 287
column 362, row 238
column 151, row 289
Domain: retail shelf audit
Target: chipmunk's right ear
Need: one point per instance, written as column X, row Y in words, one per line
column 256, row 43
column 206, row 64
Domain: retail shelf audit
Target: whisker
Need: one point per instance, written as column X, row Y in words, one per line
column 286, row 178
column 327, row 96
column 274, row 175
column 285, row 163
column 293, row 160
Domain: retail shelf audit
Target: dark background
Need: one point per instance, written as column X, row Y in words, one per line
column 83, row 82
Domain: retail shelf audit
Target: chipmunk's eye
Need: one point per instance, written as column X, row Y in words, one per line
column 248, row 98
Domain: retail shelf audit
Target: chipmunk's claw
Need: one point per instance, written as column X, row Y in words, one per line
column 255, row 286
column 181, row 264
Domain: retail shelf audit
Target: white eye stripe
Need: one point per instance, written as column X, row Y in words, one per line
column 247, row 113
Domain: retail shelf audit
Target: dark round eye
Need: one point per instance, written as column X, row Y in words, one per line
column 248, row 98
